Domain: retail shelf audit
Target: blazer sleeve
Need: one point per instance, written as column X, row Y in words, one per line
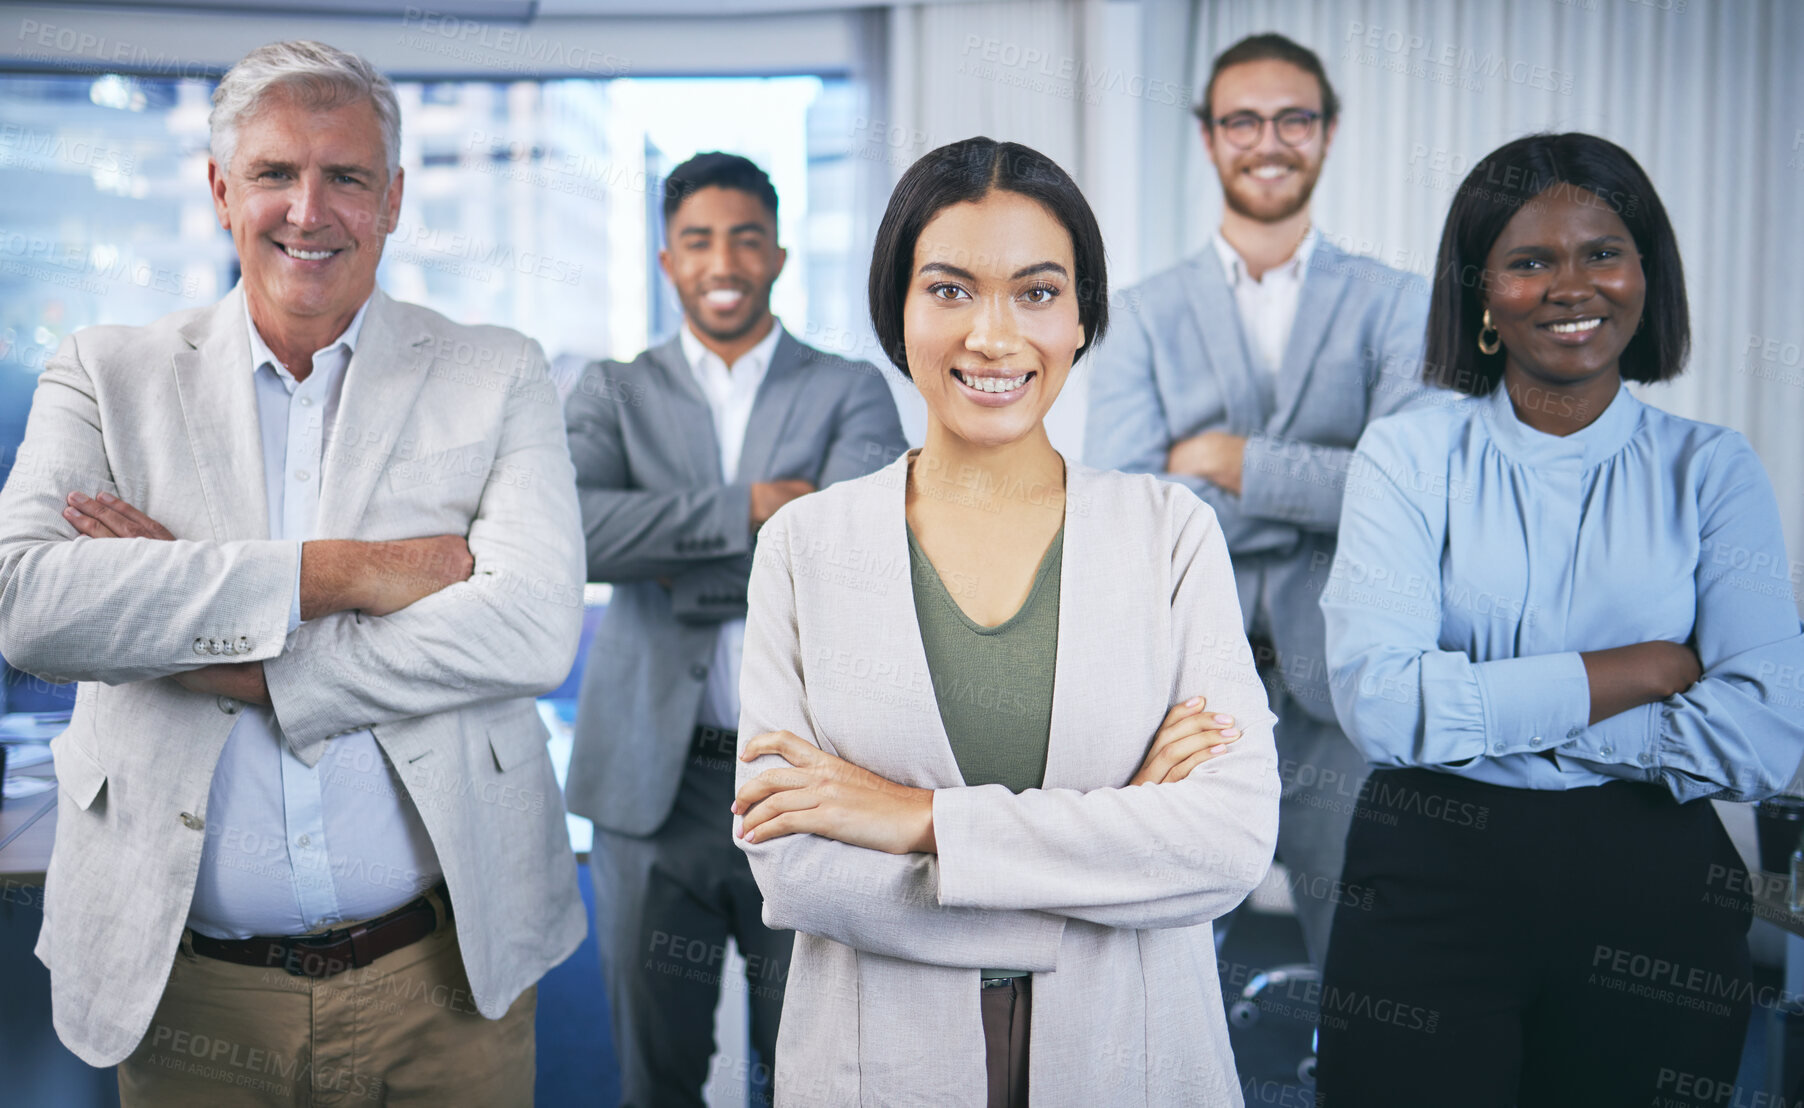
column 634, row 534
column 118, row 610
column 508, row 631
column 1126, row 429
column 1738, row 732
column 1402, row 699
column 867, row 435
column 1142, row 856
column 882, row 903
column 1294, row 481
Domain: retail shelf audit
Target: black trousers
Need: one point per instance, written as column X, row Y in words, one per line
column 1585, row 948
column 665, row 906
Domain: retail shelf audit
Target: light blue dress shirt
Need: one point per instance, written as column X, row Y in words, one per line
column 1478, row 557
column 290, row 848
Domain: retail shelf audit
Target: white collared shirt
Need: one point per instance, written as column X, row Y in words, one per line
column 291, row 848
column 1268, row 306
column 730, row 394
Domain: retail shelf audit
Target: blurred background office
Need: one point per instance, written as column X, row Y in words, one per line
column 535, row 134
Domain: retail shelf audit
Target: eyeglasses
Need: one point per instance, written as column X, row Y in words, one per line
column 1295, row 126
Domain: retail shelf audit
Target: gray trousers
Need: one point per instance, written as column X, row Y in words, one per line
column 665, row 905
column 1322, row 772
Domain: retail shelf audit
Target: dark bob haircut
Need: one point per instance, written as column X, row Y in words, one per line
column 717, row 170
column 1269, row 48
column 968, row 171
column 1598, row 172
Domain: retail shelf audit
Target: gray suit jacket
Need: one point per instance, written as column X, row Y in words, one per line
column 653, row 505
column 1106, row 893
column 1175, row 364
column 441, row 428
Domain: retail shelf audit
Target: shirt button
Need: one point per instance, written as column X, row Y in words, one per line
column 227, row 705
column 244, row 644
column 1575, row 732
column 1647, row 759
column 306, row 840
column 306, row 401
column 213, row 646
column 698, row 671
column 200, row 646
column 192, row 822
column 1607, row 751
column 301, row 475
column 1536, row 741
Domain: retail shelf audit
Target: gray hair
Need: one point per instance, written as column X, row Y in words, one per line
column 320, row 76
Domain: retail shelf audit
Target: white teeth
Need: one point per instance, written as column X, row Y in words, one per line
column 723, row 298
column 309, row 255
column 1573, row 328
column 995, row 384
column 1270, row 172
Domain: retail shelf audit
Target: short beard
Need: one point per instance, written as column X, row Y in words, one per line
column 1232, row 200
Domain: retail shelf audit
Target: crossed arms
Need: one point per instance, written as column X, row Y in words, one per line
column 96, row 590
column 1178, row 847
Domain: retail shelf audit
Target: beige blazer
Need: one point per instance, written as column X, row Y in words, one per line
column 1105, row 892
column 441, row 428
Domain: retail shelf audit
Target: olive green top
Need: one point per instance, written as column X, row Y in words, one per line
column 993, row 684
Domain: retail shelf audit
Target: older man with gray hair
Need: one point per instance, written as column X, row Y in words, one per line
column 310, row 552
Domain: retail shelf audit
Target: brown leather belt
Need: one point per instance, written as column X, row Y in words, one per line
column 332, row 952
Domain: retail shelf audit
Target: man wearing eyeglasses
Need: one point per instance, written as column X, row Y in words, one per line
column 1247, row 373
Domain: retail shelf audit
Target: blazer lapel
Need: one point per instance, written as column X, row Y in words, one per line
column 920, row 753
column 1317, row 302
column 1093, row 670
column 1218, row 321
column 776, row 398
column 691, row 419
column 385, row 376
column 219, row 404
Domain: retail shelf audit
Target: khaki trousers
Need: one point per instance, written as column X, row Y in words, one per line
column 402, row 1030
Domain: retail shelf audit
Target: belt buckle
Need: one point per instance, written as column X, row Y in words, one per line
column 295, row 951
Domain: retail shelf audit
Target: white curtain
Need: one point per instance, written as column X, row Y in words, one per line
column 1708, row 96
column 1035, row 72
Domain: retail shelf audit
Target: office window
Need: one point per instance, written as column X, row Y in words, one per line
column 532, row 204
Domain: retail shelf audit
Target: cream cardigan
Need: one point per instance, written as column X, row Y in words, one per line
column 1106, row 892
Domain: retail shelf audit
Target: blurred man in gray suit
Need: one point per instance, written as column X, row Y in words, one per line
column 681, row 455
column 1247, row 372
column 311, row 553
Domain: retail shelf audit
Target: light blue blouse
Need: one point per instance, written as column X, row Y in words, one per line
column 1479, row 556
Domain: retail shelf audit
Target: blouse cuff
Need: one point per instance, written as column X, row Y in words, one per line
column 1533, row 703
column 1628, row 738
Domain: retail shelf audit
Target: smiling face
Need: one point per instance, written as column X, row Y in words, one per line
column 1271, row 181
column 990, row 321
column 723, row 258
column 1565, row 289
column 309, row 202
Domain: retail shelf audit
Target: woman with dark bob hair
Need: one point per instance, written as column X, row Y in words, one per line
column 1553, row 623
column 1004, row 753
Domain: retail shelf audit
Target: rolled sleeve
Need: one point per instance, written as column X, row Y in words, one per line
column 294, row 600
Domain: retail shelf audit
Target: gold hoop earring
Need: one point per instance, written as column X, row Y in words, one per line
column 1488, row 345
